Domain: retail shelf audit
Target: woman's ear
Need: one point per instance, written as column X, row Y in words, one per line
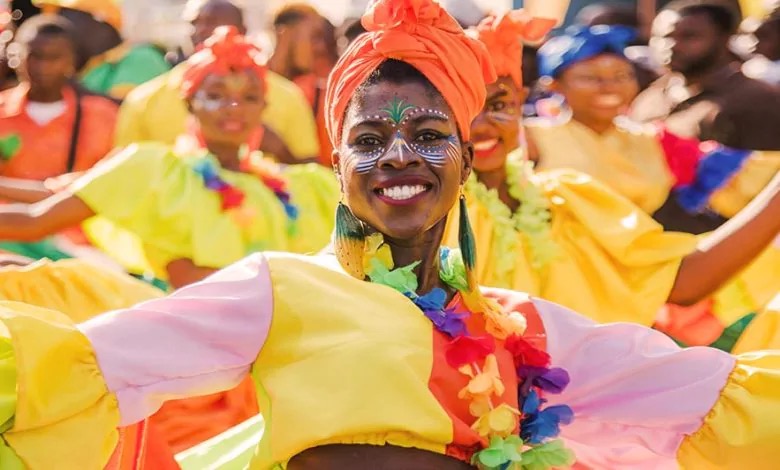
column 335, row 161
column 467, row 162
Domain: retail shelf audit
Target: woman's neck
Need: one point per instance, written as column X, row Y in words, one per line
column 227, row 154
column 599, row 127
column 38, row 95
column 497, row 179
column 425, row 249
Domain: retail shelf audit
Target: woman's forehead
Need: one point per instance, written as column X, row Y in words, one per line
column 384, row 97
column 604, row 61
column 233, row 81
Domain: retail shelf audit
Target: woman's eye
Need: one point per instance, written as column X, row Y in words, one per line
column 213, row 96
column 368, row 141
column 429, row 137
column 497, row 106
column 252, row 99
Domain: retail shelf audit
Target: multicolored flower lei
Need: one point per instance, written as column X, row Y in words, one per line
column 519, row 438
column 233, row 197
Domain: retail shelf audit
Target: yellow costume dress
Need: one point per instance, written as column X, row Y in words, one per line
column 327, row 372
column 155, row 205
column 634, row 160
column 582, row 245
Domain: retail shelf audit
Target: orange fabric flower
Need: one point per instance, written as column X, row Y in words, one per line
column 422, row 34
column 224, row 52
column 501, row 325
column 504, row 35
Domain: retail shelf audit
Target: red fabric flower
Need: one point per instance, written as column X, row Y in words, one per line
column 231, row 197
column 525, row 354
column 469, row 349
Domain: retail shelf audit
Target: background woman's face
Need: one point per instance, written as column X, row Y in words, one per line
column 496, row 131
column 400, row 159
column 598, row 89
column 229, row 107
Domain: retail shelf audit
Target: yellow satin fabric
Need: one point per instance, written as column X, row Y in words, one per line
column 351, row 347
column 61, row 393
column 628, row 159
column 763, row 332
column 743, row 428
column 164, row 212
column 78, row 289
column 614, row 262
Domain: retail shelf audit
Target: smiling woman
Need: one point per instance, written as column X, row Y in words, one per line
column 390, row 352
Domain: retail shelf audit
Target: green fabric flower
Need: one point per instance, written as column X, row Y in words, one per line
column 553, row 454
column 453, row 270
column 499, row 453
column 9, row 146
column 404, row 280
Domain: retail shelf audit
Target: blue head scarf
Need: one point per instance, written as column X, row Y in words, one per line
column 580, row 43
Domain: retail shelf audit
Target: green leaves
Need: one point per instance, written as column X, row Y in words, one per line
column 553, row 454
column 500, row 452
column 396, row 110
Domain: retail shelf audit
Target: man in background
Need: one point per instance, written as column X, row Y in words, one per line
column 705, row 95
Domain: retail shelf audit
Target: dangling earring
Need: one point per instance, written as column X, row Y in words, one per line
column 466, row 242
column 349, row 241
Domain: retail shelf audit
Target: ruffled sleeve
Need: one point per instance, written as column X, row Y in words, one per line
column 641, row 402
column 62, row 403
column 76, row 383
column 615, row 262
column 315, row 192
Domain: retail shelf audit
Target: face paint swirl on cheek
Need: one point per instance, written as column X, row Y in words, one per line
column 438, row 155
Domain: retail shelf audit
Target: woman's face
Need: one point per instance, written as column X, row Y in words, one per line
column 598, row 89
column 496, row 131
column 400, row 160
column 229, row 107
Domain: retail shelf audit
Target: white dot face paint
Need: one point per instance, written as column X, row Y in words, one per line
column 435, row 150
column 203, row 102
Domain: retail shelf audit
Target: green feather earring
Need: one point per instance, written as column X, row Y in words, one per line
column 349, row 242
column 467, row 244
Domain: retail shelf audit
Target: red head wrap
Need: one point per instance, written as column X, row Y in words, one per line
column 224, row 52
column 504, row 35
column 422, row 34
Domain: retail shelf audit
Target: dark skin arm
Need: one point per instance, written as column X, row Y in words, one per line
column 30, row 222
column 730, row 248
column 183, row 272
column 26, row 191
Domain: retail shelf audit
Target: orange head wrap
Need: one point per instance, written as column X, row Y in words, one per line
column 224, row 52
column 422, row 34
column 504, row 35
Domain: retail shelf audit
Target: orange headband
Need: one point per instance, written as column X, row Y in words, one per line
column 224, row 52
column 504, row 35
column 422, row 34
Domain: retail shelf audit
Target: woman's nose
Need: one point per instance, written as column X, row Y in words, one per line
column 399, row 154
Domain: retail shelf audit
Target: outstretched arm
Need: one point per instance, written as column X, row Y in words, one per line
column 74, row 384
column 29, row 222
column 730, row 248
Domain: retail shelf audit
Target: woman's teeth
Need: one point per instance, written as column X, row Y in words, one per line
column 400, row 193
column 485, row 145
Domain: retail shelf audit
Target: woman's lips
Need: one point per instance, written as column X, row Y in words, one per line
column 485, row 148
column 232, row 126
column 403, row 191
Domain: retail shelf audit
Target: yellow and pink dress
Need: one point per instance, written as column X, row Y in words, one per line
column 327, row 372
column 155, row 204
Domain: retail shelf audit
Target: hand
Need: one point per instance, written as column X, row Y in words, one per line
column 8, row 259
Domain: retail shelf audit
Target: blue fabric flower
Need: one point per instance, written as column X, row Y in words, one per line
column 433, row 300
column 714, row 170
column 552, row 380
column 538, row 425
column 581, row 43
